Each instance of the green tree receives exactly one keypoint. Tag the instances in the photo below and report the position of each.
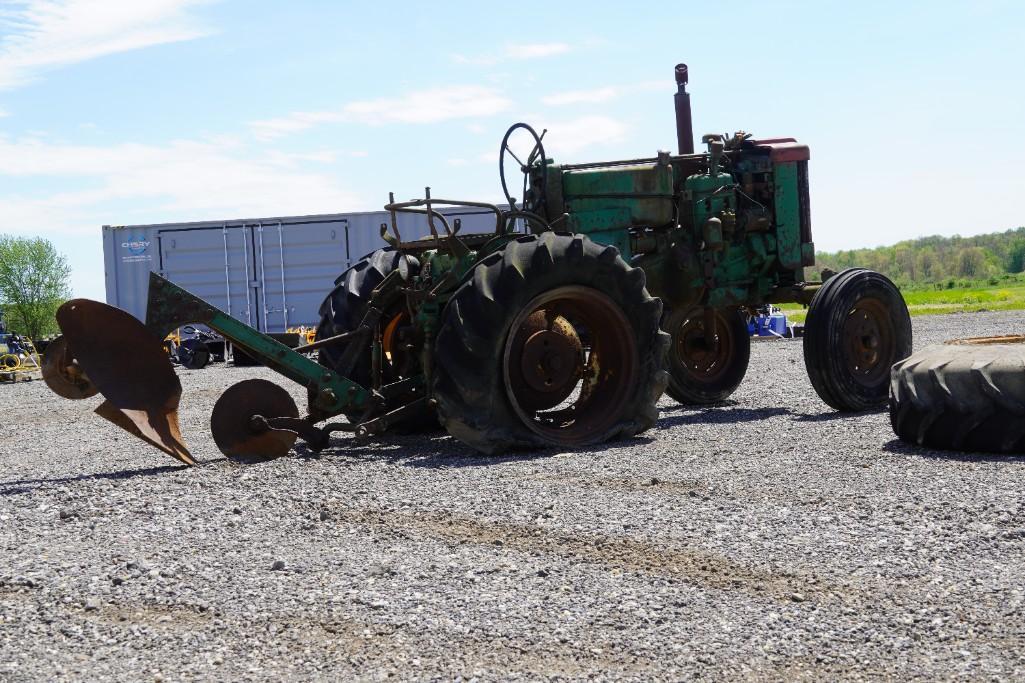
(927, 267)
(971, 262)
(1016, 257)
(33, 284)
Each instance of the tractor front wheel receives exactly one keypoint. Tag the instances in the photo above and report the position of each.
(706, 368)
(553, 341)
(857, 327)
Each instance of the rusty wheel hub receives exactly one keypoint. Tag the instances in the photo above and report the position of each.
(568, 364)
(869, 343)
(705, 356)
(551, 359)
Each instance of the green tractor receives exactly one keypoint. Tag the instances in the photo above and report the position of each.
(602, 286)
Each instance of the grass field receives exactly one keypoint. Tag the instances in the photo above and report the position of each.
(957, 300)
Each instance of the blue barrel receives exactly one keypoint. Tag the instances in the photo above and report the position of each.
(778, 323)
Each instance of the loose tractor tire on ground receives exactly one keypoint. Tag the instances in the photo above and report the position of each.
(602, 286)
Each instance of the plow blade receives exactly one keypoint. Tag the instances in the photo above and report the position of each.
(129, 366)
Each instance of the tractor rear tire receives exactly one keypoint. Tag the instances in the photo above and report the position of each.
(857, 327)
(343, 310)
(700, 376)
(967, 396)
(550, 319)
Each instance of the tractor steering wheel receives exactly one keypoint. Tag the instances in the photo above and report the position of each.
(533, 197)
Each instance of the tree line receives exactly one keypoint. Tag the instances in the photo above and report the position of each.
(938, 260)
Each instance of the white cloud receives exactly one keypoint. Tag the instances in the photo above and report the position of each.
(535, 50)
(606, 93)
(44, 34)
(514, 52)
(564, 140)
(183, 180)
(293, 123)
(422, 106)
(567, 138)
(581, 96)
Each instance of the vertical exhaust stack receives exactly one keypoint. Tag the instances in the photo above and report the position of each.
(684, 126)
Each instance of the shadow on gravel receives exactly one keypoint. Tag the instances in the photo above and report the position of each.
(898, 447)
(723, 415)
(836, 415)
(709, 406)
(19, 486)
(440, 451)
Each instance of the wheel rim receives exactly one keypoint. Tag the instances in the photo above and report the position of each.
(869, 342)
(705, 362)
(570, 357)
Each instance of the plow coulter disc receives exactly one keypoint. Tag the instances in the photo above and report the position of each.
(237, 428)
(128, 365)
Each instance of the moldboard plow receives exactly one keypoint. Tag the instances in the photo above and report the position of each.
(601, 287)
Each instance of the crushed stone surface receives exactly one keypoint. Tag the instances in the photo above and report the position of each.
(765, 538)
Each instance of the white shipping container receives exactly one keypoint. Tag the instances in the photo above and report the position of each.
(270, 273)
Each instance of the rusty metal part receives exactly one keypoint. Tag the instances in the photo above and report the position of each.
(706, 356)
(63, 375)
(868, 341)
(315, 437)
(601, 378)
(551, 361)
(381, 424)
(328, 341)
(128, 365)
(982, 341)
(242, 419)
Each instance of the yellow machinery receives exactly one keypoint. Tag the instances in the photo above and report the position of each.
(18, 358)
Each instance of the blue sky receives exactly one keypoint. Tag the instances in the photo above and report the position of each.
(123, 112)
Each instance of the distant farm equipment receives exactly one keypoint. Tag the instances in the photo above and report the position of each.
(770, 322)
(18, 357)
(193, 348)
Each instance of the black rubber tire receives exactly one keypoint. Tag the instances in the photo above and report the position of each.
(469, 385)
(826, 358)
(964, 397)
(193, 354)
(684, 386)
(343, 310)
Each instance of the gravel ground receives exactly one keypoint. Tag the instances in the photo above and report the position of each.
(765, 538)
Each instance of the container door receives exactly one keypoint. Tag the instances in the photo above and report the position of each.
(215, 264)
(297, 264)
